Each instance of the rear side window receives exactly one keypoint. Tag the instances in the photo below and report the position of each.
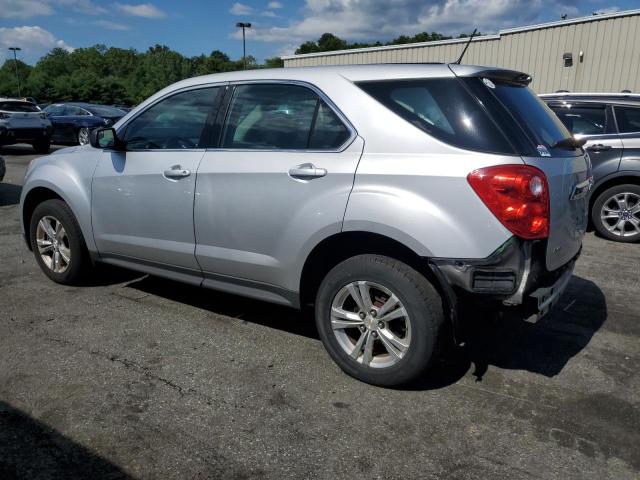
(443, 108)
(582, 120)
(628, 119)
(24, 107)
(283, 117)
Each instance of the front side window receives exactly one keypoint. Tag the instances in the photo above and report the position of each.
(443, 108)
(283, 117)
(628, 119)
(54, 110)
(177, 122)
(581, 120)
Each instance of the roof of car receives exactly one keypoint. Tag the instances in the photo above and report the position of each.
(350, 72)
(591, 97)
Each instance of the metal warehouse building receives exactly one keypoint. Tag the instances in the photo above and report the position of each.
(600, 53)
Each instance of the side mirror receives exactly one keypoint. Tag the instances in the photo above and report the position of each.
(106, 138)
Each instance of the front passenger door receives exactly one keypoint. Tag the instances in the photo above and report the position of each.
(142, 198)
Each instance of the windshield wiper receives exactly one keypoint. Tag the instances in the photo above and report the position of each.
(569, 142)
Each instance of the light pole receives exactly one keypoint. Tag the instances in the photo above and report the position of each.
(244, 25)
(15, 61)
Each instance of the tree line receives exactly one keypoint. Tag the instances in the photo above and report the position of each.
(117, 76)
(113, 76)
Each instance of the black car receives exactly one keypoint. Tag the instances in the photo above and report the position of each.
(610, 123)
(72, 122)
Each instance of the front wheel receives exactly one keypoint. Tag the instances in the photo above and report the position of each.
(379, 319)
(83, 136)
(616, 213)
(57, 243)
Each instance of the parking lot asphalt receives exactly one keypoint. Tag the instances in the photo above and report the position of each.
(138, 377)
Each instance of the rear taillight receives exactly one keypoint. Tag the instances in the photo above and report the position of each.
(518, 195)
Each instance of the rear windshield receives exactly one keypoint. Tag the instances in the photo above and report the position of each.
(18, 107)
(518, 110)
(443, 108)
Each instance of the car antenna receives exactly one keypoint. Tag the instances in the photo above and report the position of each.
(466, 46)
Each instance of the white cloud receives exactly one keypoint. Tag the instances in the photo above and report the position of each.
(240, 9)
(34, 41)
(274, 5)
(112, 25)
(145, 10)
(83, 6)
(24, 8)
(368, 20)
(269, 13)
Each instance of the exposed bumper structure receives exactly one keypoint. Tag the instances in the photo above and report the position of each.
(515, 274)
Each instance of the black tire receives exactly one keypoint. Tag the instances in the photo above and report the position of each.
(605, 199)
(43, 147)
(418, 296)
(80, 262)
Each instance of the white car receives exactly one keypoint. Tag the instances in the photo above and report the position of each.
(24, 122)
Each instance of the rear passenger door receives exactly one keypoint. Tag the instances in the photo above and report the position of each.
(628, 119)
(593, 122)
(277, 184)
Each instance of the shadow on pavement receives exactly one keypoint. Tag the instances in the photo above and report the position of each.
(29, 449)
(9, 194)
(505, 341)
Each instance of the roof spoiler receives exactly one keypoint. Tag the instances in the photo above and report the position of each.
(506, 76)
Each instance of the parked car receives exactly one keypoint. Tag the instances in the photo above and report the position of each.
(72, 122)
(610, 124)
(379, 194)
(24, 122)
(3, 169)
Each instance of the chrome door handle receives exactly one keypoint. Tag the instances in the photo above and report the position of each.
(177, 172)
(307, 171)
(599, 147)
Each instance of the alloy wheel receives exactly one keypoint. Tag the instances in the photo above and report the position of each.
(53, 244)
(371, 324)
(83, 136)
(620, 214)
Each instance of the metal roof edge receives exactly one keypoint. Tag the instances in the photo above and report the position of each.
(496, 36)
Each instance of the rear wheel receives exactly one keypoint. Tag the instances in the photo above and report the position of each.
(42, 146)
(83, 136)
(57, 243)
(616, 213)
(379, 319)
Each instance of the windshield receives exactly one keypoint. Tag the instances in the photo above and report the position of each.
(512, 102)
(26, 107)
(104, 111)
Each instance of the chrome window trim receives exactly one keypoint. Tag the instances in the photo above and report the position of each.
(125, 126)
(353, 133)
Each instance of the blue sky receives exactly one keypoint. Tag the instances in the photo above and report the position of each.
(193, 27)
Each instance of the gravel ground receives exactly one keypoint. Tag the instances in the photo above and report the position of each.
(137, 377)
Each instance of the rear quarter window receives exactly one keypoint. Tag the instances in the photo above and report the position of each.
(443, 108)
(24, 107)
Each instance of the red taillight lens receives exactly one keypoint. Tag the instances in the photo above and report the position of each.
(518, 195)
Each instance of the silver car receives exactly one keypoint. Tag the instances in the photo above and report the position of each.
(382, 196)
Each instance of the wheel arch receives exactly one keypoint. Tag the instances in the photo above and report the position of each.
(619, 178)
(340, 246)
(42, 192)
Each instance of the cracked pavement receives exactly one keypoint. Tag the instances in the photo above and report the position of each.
(138, 377)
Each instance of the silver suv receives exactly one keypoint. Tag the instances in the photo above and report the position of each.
(381, 195)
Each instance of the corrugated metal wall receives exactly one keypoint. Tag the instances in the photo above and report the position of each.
(610, 47)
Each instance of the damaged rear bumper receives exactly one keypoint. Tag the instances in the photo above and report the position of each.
(514, 275)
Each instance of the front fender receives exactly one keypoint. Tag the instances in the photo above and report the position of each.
(63, 177)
